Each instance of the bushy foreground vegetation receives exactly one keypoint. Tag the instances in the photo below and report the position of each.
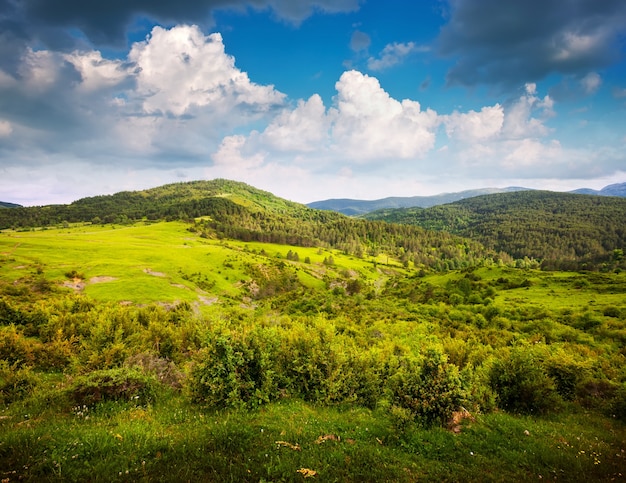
(269, 362)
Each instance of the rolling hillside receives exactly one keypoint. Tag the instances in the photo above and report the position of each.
(228, 209)
(265, 341)
(562, 230)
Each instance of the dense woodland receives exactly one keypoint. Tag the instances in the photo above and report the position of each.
(563, 231)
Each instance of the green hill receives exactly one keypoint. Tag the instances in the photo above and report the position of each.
(228, 209)
(562, 230)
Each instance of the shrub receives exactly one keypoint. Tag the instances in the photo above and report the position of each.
(233, 373)
(522, 383)
(595, 393)
(15, 382)
(17, 349)
(163, 370)
(119, 384)
(566, 374)
(431, 392)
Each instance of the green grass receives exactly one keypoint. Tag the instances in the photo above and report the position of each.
(160, 262)
(175, 441)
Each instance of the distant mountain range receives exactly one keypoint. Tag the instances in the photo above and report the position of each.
(353, 207)
(4, 204)
(360, 207)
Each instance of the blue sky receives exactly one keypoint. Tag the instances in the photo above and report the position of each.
(310, 99)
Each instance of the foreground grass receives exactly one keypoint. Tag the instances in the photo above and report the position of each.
(174, 440)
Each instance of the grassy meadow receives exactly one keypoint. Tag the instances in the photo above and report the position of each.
(146, 352)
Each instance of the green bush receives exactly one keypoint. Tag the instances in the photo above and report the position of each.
(15, 382)
(233, 373)
(119, 384)
(566, 374)
(430, 391)
(522, 383)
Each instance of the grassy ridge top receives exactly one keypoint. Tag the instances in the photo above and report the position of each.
(175, 200)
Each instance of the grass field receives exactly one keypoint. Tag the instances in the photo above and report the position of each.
(113, 276)
(160, 262)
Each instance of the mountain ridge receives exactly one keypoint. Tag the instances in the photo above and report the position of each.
(6, 204)
(354, 207)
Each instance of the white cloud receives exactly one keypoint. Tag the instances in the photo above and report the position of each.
(571, 45)
(475, 126)
(97, 74)
(591, 82)
(230, 154)
(181, 69)
(518, 120)
(371, 125)
(304, 129)
(394, 54)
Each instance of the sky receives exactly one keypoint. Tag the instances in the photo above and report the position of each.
(310, 99)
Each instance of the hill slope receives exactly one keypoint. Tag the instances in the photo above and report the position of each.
(228, 209)
(563, 230)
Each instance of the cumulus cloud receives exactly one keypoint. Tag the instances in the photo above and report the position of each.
(475, 126)
(370, 124)
(303, 129)
(176, 94)
(365, 127)
(503, 41)
(394, 54)
(181, 69)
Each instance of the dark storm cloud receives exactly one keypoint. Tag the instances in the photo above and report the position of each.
(106, 23)
(508, 41)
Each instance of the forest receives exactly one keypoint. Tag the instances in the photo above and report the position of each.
(564, 231)
(212, 332)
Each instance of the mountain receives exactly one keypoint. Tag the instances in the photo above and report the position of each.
(352, 207)
(563, 230)
(4, 204)
(618, 189)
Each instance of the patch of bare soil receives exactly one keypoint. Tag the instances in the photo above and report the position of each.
(458, 417)
(153, 273)
(76, 284)
(207, 300)
(101, 279)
